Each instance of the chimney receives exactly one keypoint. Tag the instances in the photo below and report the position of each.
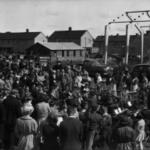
(27, 30)
(70, 28)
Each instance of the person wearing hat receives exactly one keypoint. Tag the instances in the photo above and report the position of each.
(25, 129)
(93, 122)
(124, 135)
(2, 121)
(86, 77)
(70, 76)
(126, 78)
(8, 82)
(74, 103)
(83, 119)
(106, 130)
(2, 82)
(52, 78)
(25, 92)
(64, 80)
(135, 84)
(12, 107)
(27, 101)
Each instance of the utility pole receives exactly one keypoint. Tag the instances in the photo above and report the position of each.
(142, 41)
(129, 21)
(106, 43)
(128, 14)
(127, 43)
(142, 47)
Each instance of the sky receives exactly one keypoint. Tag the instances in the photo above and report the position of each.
(50, 15)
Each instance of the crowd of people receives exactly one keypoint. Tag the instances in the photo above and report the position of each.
(64, 108)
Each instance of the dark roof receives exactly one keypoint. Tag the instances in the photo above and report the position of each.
(116, 38)
(112, 38)
(75, 34)
(19, 35)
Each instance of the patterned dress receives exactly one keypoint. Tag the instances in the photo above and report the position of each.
(125, 138)
(26, 127)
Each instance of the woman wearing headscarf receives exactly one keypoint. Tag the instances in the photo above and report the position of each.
(26, 128)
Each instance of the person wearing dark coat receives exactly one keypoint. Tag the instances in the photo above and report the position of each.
(148, 97)
(104, 142)
(71, 132)
(13, 111)
(124, 136)
(94, 120)
(2, 121)
(50, 132)
(52, 78)
(83, 118)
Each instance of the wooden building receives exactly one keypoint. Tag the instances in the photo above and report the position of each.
(58, 51)
(18, 42)
(80, 37)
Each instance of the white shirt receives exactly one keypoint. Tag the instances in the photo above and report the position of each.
(99, 79)
(78, 81)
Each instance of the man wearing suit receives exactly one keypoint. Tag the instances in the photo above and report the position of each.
(12, 107)
(71, 131)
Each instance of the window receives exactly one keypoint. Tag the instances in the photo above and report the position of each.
(67, 53)
(74, 53)
(80, 52)
(63, 54)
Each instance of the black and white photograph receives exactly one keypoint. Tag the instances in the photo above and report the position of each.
(74, 74)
